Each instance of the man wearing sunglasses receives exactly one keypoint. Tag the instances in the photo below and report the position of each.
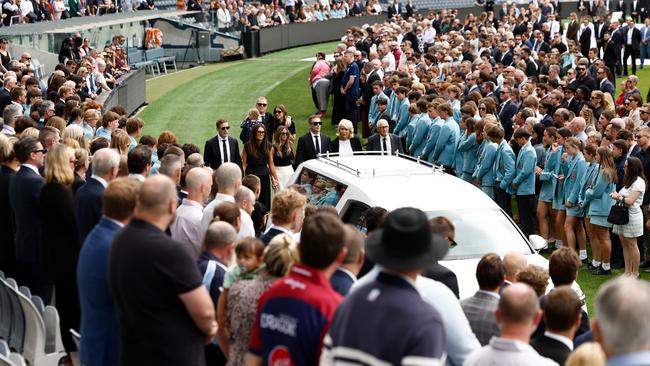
(222, 148)
(312, 143)
(265, 117)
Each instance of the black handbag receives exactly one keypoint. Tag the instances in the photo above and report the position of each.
(619, 214)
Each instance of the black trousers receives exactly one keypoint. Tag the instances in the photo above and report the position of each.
(629, 53)
(526, 205)
(31, 275)
(503, 199)
(352, 109)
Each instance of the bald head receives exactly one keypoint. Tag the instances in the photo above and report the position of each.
(513, 262)
(156, 194)
(197, 177)
(518, 305)
(578, 125)
(228, 177)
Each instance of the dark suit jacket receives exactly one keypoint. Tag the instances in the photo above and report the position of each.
(374, 143)
(306, 149)
(7, 245)
(443, 274)
(24, 191)
(532, 69)
(212, 152)
(506, 114)
(60, 241)
(505, 59)
(572, 31)
(5, 99)
(269, 235)
(393, 12)
(585, 41)
(354, 142)
(636, 39)
(341, 282)
(367, 89)
(607, 87)
(622, 7)
(610, 54)
(551, 348)
(88, 206)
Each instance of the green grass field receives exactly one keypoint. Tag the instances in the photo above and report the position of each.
(189, 102)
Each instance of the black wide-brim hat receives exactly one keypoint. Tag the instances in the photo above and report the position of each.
(406, 242)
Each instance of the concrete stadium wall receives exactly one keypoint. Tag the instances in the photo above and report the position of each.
(130, 92)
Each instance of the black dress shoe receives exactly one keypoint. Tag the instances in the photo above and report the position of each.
(601, 272)
(591, 267)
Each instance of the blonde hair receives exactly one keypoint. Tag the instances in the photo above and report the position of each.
(588, 354)
(120, 141)
(57, 165)
(56, 122)
(608, 102)
(6, 149)
(285, 203)
(253, 113)
(345, 123)
(280, 255)
(75, 132)
(71, 143)
(30, 131)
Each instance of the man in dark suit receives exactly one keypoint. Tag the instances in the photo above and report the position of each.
(101, 340)
(585, 37)
(600, 27)
(532, 69)
(604, 85)
(507, 112)
(312, 143)
(618, 38)
(88, 200)
(635, 10)
(24, 193)
(505, 55)
(622, 7)
(383, 140)
(394, 9)
(287, 213)
(265, 117)
(222, 148)
(538, 43)
(632, 44)
(346, 274)
(562, 313)
(5, 97)
(572, 28)
(610, 56)
(444, 227)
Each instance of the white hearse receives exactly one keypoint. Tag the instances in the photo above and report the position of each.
(354, 183)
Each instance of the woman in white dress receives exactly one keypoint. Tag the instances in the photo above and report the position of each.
(283, 155)
(631, 195)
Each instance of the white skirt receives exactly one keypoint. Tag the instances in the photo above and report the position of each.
(284, 175)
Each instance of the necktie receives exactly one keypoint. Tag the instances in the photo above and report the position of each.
(317, 144)
(385, 146)
(224, 155)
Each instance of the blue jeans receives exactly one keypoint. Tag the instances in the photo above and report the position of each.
(645, 52)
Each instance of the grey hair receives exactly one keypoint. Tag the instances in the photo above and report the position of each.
(346, 123)
(219, 234)
(11, 113)
(104, 161)
(228, 175)
(169, 164)
(623, 318)
(244, 193)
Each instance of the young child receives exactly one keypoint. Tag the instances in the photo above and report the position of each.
(250, 261)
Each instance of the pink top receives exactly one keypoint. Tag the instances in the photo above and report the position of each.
(320, 69)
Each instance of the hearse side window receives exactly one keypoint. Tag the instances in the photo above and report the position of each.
(321, 190)
(354, 215)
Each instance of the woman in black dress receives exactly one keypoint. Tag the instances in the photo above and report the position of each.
(283, 156)
(9, 167)
(281, 118)
(257, 160)
(60, 245)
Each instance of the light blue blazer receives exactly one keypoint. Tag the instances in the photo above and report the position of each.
(373, 113)
(525, 170)
(588, 180)
(403, 118)
(547, 178)
(469, 148)
(572, 181)
(445, 150)
(484, 171)
(455, 107)
(393, 106)
(432, 138)
(410, 128)
(598, 197)
(420, 136)
(561, 168)
(504, 167)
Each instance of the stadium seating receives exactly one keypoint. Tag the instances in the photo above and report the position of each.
(137, 60)
(158, 55)
(33, 328)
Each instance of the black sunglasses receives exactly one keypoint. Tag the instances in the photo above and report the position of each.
(284, 133)
(224, 128)
(262, 104)
(44, 151)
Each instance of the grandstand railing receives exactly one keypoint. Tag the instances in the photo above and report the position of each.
(130, 92)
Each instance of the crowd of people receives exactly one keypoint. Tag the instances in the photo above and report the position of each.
(159, 252)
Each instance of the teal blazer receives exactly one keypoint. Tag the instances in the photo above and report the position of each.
(575, 175)
(420, 136)
(432, 138)
(373, 112)
(598, 197)
(484, 171)
(445, 150)
(393, 106)
(546, 177)
(455, 107)
(525, 170)
(561, 168)
(469, 149)
(504, 167)
(402, 118)
(587, 181)
(410, 128)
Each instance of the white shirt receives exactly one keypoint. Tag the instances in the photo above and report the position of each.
(8, 130)
(560, 338)
(223, 158)
(26, 7)
(186, 226)
(429, 35)
(629, 36)
(389, 147)
(208, 211)
(247, 228)
(320, 143)
(138, 177)
(345, 148)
